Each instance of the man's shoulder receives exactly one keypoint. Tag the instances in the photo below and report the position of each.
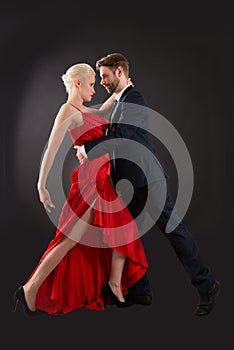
(133, 95)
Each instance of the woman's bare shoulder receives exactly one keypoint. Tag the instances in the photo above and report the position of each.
(68, 112)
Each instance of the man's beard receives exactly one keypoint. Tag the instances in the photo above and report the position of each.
(113, 86)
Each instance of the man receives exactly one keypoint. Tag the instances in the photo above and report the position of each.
(128, 131)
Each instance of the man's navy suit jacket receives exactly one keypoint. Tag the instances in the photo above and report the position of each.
(127, 141)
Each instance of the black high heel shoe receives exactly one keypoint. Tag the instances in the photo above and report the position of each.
(19, 297)
(107, 291)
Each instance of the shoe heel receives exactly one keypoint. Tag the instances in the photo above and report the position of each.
(15, 306)
(104, 300)
(19, 298)
(15, 302)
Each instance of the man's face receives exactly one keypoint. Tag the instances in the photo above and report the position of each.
(109, 79)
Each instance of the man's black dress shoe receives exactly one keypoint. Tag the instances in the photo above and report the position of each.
(145, 299)
(207, 301)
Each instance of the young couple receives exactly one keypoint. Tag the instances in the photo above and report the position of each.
(112, 269)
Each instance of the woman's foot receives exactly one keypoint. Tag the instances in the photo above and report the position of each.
(117, 291)
(117, 298)
(19, 298)
(30, 298)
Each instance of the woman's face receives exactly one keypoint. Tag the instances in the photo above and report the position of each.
(87, 88)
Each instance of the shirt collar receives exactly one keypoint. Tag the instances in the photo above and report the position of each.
(118, 96)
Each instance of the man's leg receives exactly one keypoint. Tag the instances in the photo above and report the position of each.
(184, 246)
(183, 243)
(160, 205)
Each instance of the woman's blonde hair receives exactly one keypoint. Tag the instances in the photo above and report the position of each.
(78, 71)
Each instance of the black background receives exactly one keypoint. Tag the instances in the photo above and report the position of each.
(180, 56)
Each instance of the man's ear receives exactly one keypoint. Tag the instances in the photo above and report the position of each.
(77, 83)
(119, 71)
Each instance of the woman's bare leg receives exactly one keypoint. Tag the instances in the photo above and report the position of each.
(54, 257)
(117, 265)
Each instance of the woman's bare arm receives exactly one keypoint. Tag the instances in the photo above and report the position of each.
(63, 122)
(105, 108)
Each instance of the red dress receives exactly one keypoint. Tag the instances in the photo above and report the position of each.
(77, 280)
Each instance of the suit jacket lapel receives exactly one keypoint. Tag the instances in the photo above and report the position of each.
(124, 94)
(115, 106)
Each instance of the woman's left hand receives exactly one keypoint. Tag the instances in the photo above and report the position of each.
(45, 199)
(130, 81)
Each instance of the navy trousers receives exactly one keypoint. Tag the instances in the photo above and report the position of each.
(159, 204)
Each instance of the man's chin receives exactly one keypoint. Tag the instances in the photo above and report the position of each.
(110, 91)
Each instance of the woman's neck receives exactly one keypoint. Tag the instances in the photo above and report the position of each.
(75, 102)
(75, 98)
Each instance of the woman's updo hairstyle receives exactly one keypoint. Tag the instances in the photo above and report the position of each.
(78, 71)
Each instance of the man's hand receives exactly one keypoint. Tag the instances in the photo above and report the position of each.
(79, 155)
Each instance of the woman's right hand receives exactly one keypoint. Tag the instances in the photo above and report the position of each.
(79, 155)
(45, 199)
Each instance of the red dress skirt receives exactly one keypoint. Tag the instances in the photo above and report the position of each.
(78, 279)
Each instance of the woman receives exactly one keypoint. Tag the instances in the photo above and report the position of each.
(71, 273)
